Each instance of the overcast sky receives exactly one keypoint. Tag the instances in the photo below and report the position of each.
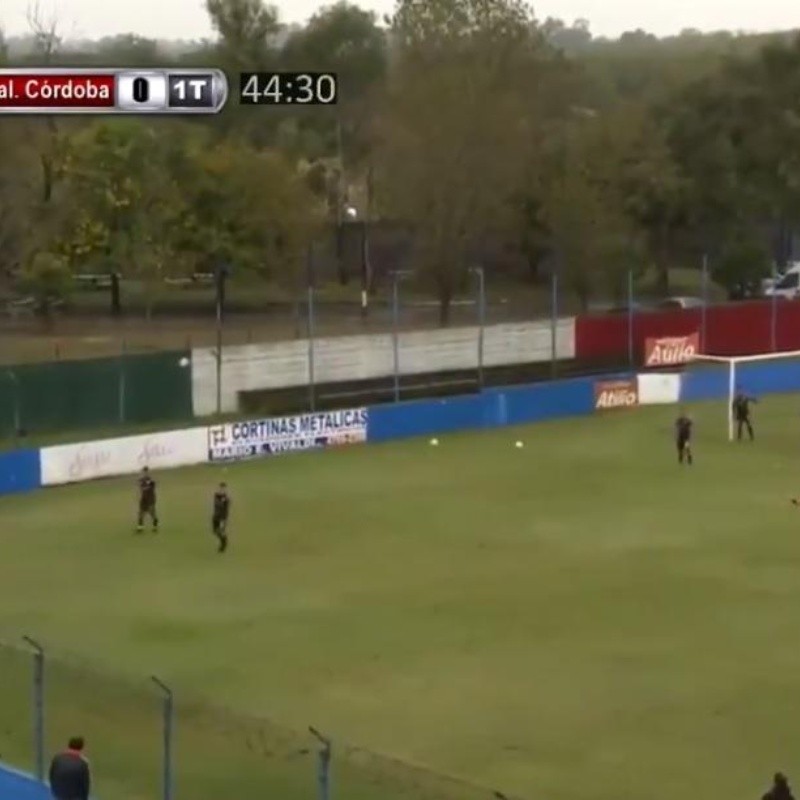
(186, 19)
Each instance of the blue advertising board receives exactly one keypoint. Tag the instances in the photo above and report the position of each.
(16, 785)
(754, 377)
(515, 405)
(233, 441)
(20, 471)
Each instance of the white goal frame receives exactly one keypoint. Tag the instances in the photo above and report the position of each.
(732, 362)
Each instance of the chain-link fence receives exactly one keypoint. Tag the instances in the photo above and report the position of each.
(327, 348)
(101, 393)
(146, 741)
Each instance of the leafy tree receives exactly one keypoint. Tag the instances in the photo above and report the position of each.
(345, 39)
(247, 40)
(455, 126)
(247, 30)
(47, 278)
(251, 209)
(47, 44)
(594, 242)
(734, 134)
(128, 206)
(648, 181)
(575, 38)
(741, 264)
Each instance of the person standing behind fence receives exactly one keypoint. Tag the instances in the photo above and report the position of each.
(70, 776)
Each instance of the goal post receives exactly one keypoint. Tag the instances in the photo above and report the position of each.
(747, 374)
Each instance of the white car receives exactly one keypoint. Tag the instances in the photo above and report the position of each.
(786, 285)
(681, 303)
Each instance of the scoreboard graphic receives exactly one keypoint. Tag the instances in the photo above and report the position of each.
(112, 91)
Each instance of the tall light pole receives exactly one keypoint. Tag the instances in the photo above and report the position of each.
(397, 276)
(220, 276)
(481, 302)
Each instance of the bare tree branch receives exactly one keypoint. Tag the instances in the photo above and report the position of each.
(47, 40)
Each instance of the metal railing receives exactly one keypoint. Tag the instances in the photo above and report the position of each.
(145, 740)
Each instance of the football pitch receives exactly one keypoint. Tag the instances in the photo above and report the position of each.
(579, 618)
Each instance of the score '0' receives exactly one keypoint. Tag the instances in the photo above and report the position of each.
(141, 90)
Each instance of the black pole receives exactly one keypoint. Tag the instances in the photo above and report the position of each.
(365, 276)
(220, 285)
(38, 705)
(116, 300)
(168, 724)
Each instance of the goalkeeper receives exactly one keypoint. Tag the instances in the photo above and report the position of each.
(741, 413)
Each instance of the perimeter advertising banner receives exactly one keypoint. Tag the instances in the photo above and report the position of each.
(669, 351)
(233, 441)
(85, 461)
(616, 394)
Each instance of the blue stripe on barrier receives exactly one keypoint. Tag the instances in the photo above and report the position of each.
(20, 471)
(753, 377)
(18, 786)
(492, 408)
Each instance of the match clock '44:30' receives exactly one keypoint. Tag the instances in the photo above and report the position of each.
(288, 88)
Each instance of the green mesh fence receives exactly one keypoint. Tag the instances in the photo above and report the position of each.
(214, 753)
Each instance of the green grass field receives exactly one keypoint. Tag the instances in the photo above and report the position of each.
(577, 619)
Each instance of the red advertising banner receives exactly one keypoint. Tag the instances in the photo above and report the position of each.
(669, 351)
(615, 394)
(733, 329)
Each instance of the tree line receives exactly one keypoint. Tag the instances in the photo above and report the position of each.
(473, 124)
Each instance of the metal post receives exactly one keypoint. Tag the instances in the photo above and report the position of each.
(16, 410)
(219, 356)
(554, 323)
(311, 393)
(365, 280)
(478, 271)
(221, 275)
(704, 307)
(396, 334)
(121, 387)
(339, 205)
(323, 764)
(38, 706)
(630, 318)
(731, 393)
(168, 723)
(774, 315)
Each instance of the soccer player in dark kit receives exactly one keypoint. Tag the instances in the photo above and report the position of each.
(219, 519)
(147, 501)
(741, 413)
(683, 438)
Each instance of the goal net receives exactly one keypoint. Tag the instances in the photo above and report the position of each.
(711, 377)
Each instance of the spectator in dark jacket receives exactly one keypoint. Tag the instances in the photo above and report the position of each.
(780, 789)
(70, 778)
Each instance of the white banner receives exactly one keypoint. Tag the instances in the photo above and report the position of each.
(362, 357)
(71, 463)
(658, 389)
(263, 437)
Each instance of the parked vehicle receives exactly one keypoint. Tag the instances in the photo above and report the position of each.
(680, 303)
(786, 285)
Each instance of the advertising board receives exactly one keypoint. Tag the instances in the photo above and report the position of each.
(669, 351)
(72, 463)
(233, 441)
(615, 394)
(659, 388)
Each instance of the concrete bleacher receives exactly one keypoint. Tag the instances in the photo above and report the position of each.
(15, 785)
